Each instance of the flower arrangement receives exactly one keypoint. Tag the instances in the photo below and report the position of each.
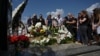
(21, 40)
(58, 35)
(37, 30)
(50, 40)
(13, 39)
(44, 41)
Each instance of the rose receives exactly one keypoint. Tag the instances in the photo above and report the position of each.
(13, 38)
(23, 38)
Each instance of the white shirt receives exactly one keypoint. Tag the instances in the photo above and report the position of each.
(60, 21)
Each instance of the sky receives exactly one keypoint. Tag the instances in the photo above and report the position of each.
(55, 7)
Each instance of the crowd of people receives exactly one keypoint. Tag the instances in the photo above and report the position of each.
(84, 28)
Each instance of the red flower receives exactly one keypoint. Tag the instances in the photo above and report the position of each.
(13, 39)
(23, 38)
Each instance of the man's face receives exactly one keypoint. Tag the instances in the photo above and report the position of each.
(70, 16)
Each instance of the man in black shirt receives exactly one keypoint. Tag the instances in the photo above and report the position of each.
(34, 19)
(72, 25)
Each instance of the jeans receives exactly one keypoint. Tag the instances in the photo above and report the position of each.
(83, 34)
(78, 35)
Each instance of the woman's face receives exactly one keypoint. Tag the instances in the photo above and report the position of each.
(83, 14)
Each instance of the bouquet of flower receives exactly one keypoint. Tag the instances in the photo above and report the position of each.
(13, 39)
(37, 30)
(44, 41)
(21, 41)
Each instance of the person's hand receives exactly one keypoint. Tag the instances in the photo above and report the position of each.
(94, 27)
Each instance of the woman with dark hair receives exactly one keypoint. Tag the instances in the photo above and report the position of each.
(96, 24)
(41, 19)
(83, 27)
(34, 19)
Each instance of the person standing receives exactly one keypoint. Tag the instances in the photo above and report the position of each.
(79, 40)
(59, 20)
(49, 21)
(83, 27)
(72, 26)
(34, 19)
(41, 19)
(96, 24)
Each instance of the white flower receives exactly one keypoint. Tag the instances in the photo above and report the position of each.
(49, 36)
(61, 31)
(30, 28)
(31, 35)
(34, 41)
(58, 40)
(38, 25)
(62, 36)
(47, 40)
(64, 30)
(44, 27)
(28, 35)
(69, 35)
(42, 41)
(34, 30)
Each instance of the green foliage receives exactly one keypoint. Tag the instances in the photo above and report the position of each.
(66, 40)
(51, 42)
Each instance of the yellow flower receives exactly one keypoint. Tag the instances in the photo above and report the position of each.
(42, 31)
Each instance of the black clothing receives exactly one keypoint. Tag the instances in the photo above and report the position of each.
(83, 30)
(34, 20)
(85, 22)
(42, 21)
(72, 28)
(75, 24)
(29, 22)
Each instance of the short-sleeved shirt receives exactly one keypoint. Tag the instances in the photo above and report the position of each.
(74, 24)
(85, 22)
